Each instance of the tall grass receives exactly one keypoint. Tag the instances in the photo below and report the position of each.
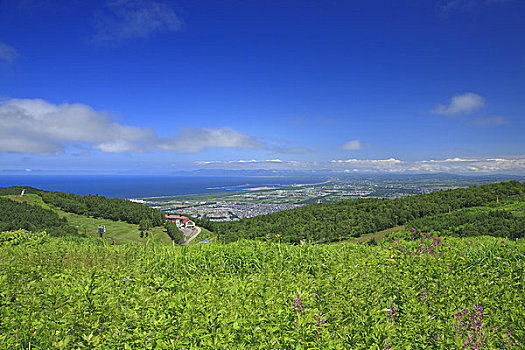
(72, 293)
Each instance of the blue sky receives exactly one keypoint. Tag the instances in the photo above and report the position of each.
(140, 86)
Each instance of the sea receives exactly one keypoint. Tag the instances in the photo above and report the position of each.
(142, 186)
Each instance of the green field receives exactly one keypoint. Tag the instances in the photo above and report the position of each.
(69, 293)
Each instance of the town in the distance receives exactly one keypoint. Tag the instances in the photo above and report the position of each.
(233, 204)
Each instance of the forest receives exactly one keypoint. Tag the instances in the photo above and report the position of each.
(16, 215)
(17, 190)
(473, 222)
(107, 208)
(20, 214)
(353, 218)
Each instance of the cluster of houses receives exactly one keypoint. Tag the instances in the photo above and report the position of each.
(180, 220)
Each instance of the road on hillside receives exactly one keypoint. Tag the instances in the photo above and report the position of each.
(190, 234)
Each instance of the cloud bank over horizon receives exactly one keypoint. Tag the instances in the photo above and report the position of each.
(448, 165)
(475, 165)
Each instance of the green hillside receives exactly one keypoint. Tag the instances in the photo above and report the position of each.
(353, 218)
(495, 209)
(388, 289)
(122, 231)
(67, 293)
(19, 214)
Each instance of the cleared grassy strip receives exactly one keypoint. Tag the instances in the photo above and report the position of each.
(378, 236)
(122, 231)
(33, 199)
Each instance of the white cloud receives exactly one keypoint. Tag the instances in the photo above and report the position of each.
(7, 53)
(390, 164)
(130, 19)
(461, 104)
(388, 161)
(352, 145)
(488, 165)
(118, 146)
(450, 165)
(251, 164)
(448, 160)
(39, 127)
(197, 140)
(490, 121)
(476, 165)
(42, 128)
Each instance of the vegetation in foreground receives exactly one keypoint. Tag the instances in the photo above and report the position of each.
(429, 293)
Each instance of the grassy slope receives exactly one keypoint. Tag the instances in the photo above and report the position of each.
(203, 235)
(69, 294)
(516, 208)
(378, 236)
(122, 231)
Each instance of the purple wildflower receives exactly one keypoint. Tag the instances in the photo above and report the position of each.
(393, 310)
(469, 324)
(298, 305)
(319, 319)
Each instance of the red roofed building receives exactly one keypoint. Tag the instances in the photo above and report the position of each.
(178, 219)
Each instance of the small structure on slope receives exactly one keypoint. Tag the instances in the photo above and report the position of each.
(180, 220)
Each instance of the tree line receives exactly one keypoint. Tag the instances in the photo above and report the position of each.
(102, 207)
(14, 190)
(473, 222)
(29, 217)
(353, 218)
(19, 215)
